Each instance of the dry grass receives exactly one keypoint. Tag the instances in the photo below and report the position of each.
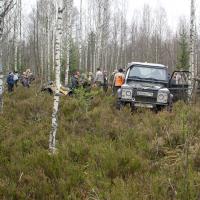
(103, 153)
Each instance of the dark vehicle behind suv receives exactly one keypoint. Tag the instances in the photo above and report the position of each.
(149, 85)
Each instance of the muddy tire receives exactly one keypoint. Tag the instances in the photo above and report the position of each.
(119, 105)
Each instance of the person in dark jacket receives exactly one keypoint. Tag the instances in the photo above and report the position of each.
(105, 81)
(10, 82)
(75, 80)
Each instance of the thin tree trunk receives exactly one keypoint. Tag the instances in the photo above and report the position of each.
(1, 78)
(53, 51)
(69, 32)
(52, 137)
(192, 51)
(48, 45)
(20, 32)
(42, 65)
(16, 37)
(80, 37)
(3, 12)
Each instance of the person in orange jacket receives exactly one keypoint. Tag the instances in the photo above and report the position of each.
(118, 81)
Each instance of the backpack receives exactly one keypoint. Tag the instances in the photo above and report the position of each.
(10, 80)
(15, 78)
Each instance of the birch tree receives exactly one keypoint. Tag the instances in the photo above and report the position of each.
(16, 28)
(5, 6)
(80, 35)
(52, 137)
(192, 51)
(69, 6)
(1, 67)
(48, 43)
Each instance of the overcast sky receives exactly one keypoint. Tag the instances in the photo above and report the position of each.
(174, 8)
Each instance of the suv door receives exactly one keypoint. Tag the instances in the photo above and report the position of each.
(179, 85)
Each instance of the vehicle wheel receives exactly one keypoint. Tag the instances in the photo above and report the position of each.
(119, 105)
(169, 107)
(133, 108)
(157, 109)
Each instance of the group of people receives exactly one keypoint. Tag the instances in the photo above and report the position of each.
(13, 78)
(100, 80)
(180, 78)
(87, 81)
(26, 78)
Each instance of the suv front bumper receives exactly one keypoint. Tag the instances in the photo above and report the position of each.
(142, 104)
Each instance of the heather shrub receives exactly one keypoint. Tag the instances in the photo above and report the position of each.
(102, 153)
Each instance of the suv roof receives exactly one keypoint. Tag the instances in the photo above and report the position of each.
(147, 64)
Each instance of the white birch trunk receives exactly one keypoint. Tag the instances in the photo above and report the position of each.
(20, 33)
(48, 44)
(53, 41)
(192, 51)
(42, 65)
(52, 137)
(48, 57)
(1, 82)
(80, 37)
(98, 36)
(1, 66)
(86, 59)
(1, 76)
(69, 32)
(4, 9)
(53, 51)
(94, 62)
(16, 37)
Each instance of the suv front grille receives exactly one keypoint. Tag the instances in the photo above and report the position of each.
(145, 99)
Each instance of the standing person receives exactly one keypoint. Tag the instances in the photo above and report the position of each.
(22, 78)
(83, 79)
(118, 81)
(31, 78)
(75, 80)
(10, 82)
(16, 78)
(178, 79)
(90, 78)
(105, 81)
(111, 79)
(88, 82)
(25, 80)
(99, 80)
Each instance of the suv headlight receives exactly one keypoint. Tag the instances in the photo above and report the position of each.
(127, 94)
(163, 96)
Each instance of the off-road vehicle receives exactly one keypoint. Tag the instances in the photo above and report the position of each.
(151, 86)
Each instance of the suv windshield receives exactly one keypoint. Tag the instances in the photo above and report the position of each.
(148, 73)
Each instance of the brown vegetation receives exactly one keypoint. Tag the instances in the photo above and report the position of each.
(102, 153)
